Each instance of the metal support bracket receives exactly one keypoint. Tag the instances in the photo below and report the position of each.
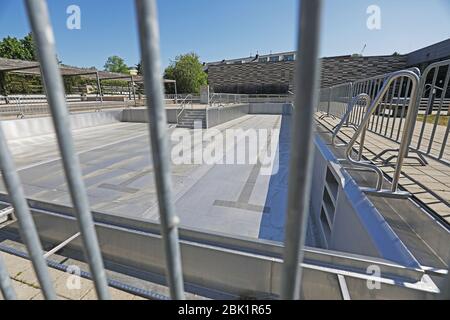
(386, 193)
(420, 158)
(61, 245)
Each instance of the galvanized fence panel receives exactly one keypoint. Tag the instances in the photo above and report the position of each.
(433, 119)
(300, 173)
(340, 96)
(395, 107)
(385, 92)
(324, 98)
(149, 44)
(38, 15)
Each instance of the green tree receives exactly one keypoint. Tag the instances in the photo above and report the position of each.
(28, 45)
(13, 48)
(116, 64)
(187, 70)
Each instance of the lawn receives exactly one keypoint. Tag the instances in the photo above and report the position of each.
(443, 120)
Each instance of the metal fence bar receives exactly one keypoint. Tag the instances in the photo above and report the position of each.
(408, 84)
(307, 77)
(5, 282)
(429, 102)
(407, 131)
(149, 43)
(350, 108)
(43, 36)
(27, 227)
(430, 135)
(436, 119)
(396, 107)
(444, 141)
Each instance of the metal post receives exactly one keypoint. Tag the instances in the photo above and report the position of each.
(27, 227)
(5, 282)
(410, 123)
(99, 87)
(330, 89)
(3, 90)
(349, 96)
(133, 90)
(149, 43)
(176, 94)
(307, 79)
(44, 39)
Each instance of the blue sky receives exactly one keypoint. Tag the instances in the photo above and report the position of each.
(219, 30)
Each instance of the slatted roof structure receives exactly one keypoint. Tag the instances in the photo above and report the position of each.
(33, 68)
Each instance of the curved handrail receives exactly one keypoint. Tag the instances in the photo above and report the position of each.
(183, 104)
(351, 104)
(409, 125)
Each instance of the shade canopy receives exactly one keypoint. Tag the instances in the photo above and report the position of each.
(33, 68)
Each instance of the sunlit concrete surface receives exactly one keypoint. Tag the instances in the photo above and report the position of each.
(234, 199)
(27, 287)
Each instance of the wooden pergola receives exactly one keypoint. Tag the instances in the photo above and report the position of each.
(33, 68)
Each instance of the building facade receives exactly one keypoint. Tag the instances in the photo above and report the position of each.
(274, 73)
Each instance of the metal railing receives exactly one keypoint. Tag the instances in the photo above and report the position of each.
(398, 89)
(39, 18)
(187, 100)
(381, 96)
(149, 44)
(354, 103)
(432, 114)
(271, 98)
(338, 98)
(300, 165)
(299, 184)
(301, 155)
(434, 107)
(22, 106)
(221, 99)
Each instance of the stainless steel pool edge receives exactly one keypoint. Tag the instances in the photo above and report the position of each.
(222, 266)
(427, 225)
(354, 213)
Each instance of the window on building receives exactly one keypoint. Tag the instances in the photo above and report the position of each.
(264, 59)
(274, 59)
(288, 57)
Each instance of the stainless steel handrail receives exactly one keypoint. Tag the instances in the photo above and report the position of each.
(183, 105)
(344, 119)
(409, 125)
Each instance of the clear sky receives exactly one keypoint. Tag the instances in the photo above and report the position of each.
(218, 29)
